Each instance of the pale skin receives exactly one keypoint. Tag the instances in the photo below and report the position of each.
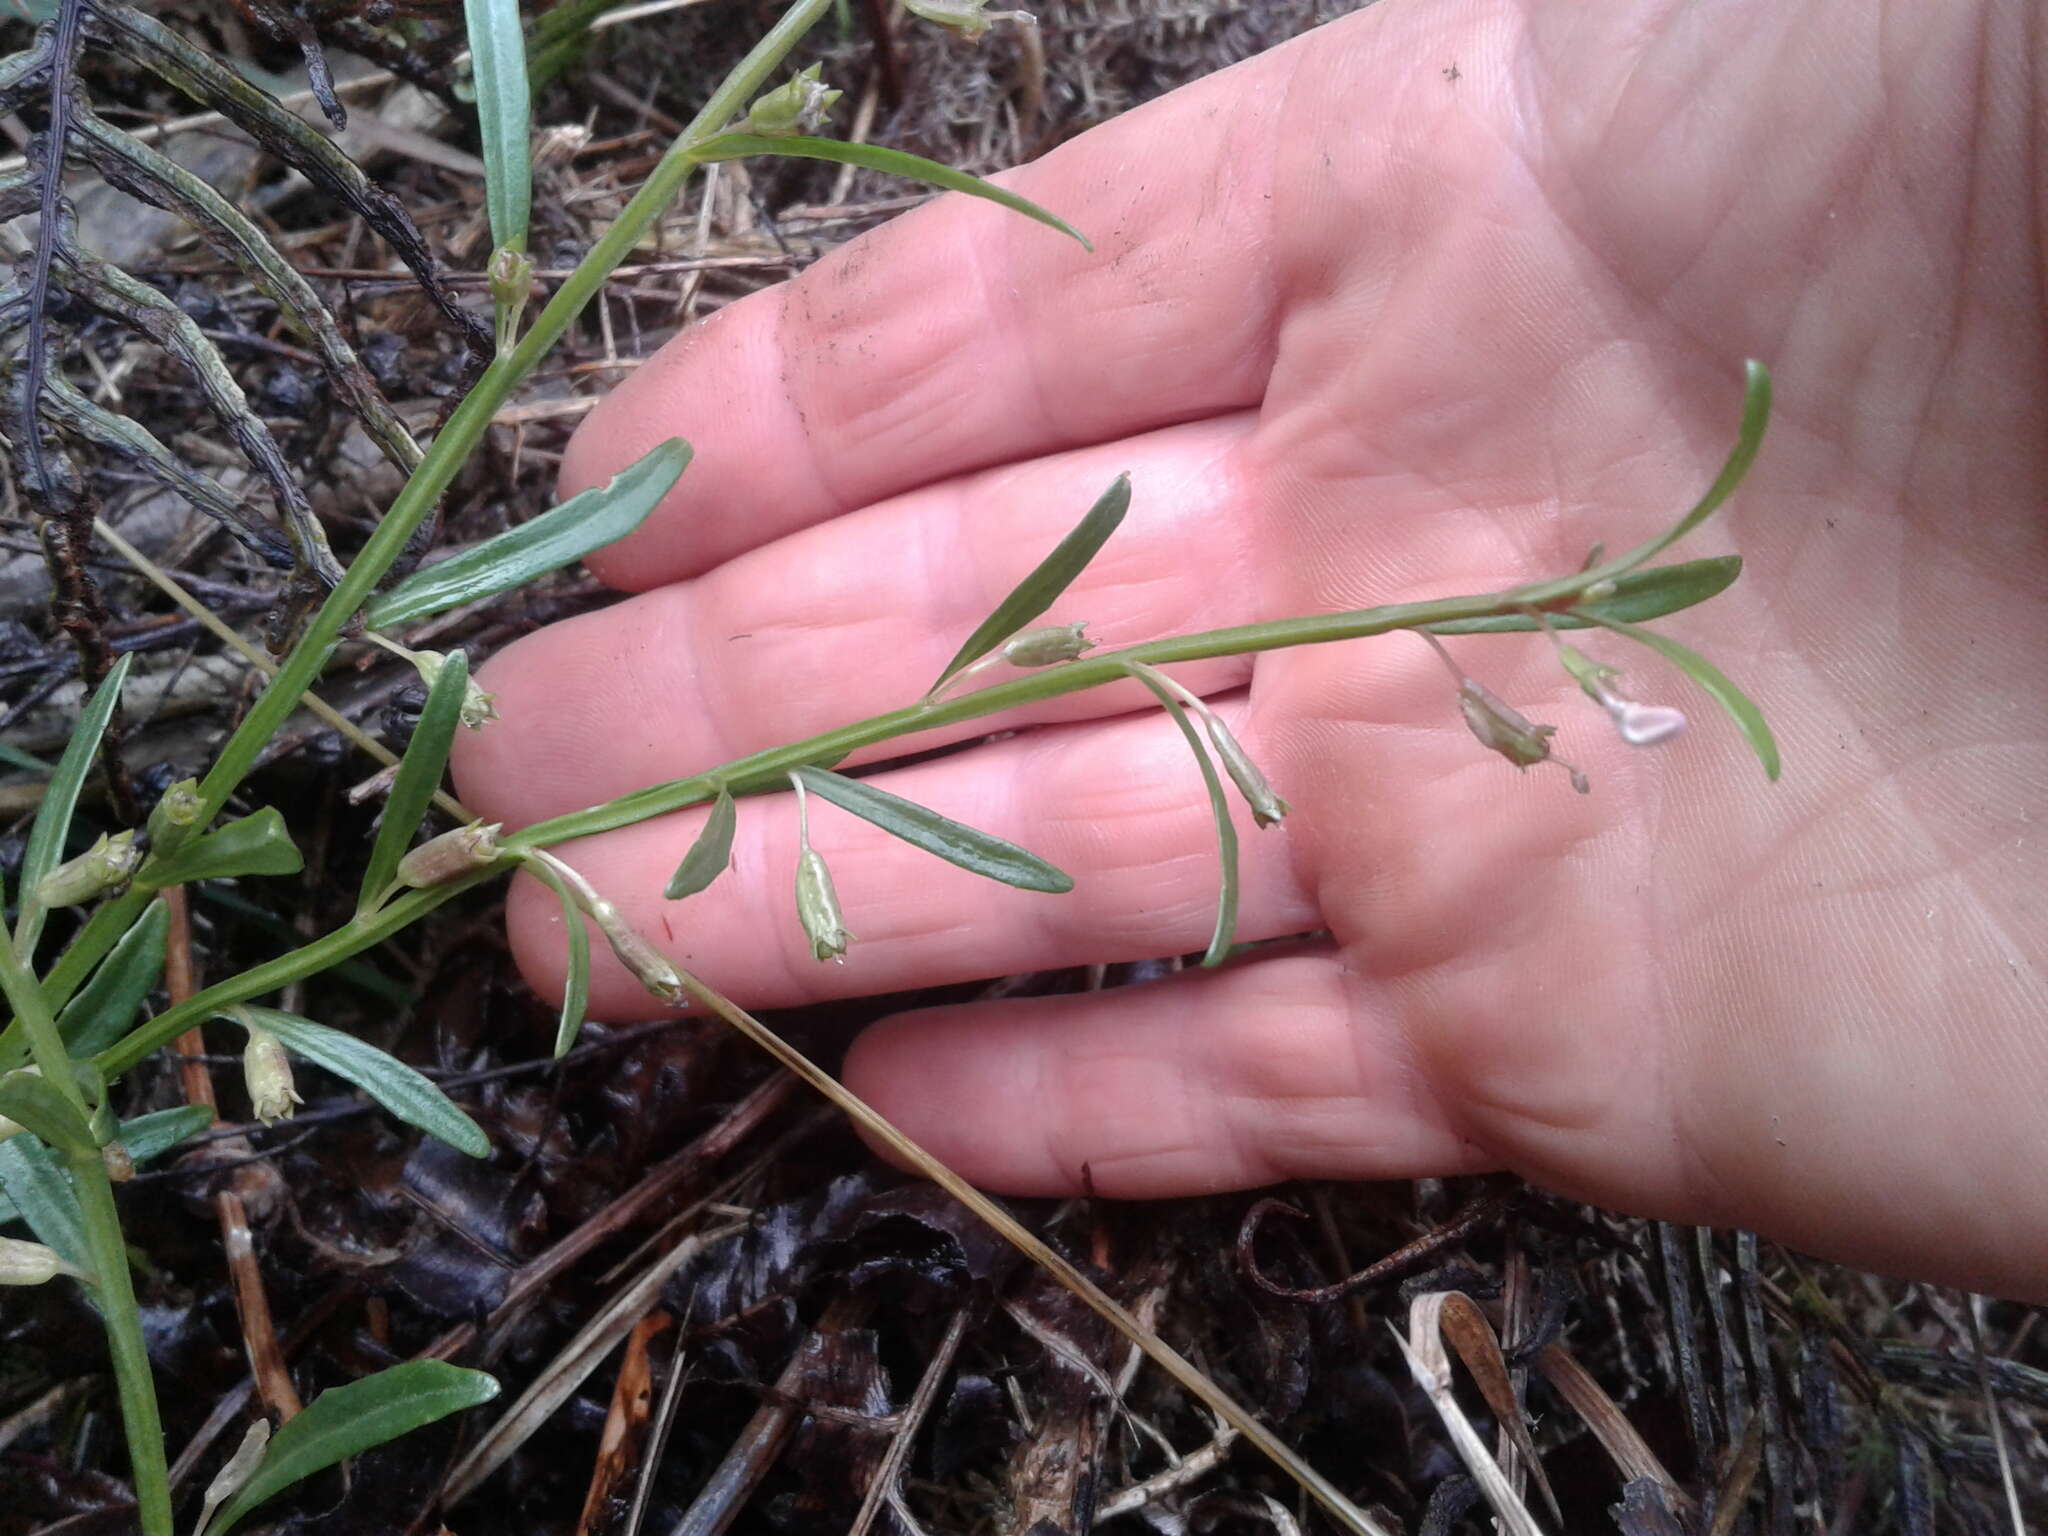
(1424, 303)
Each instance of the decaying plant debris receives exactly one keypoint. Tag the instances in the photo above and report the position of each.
(711, 1310)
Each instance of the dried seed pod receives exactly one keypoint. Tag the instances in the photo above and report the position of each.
(267, 1071)
(451, 855)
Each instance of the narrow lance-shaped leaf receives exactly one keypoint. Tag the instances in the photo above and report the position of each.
(257, 844)
(710, 854)
(587, 521)
(346, 1421)
(45, 848)
(38, 1190)
(1740, 707)
(576, 979)
(891, 162)
(1219, 807)
(384, 1078)
(146, 1137)
(1756, 415)
(29, 1101)
(102, 1011)
(1638, 596)
(1054, 574)
(924, 828)
(504, 113)
(419, 775)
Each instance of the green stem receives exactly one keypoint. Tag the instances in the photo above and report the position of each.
(466, 427)
(768, 769)
(443, 460)
(295, 965)
(108, 1254)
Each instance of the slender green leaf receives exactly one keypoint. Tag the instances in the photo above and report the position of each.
(38, 1191)
(710, 854)
(1640, 595)
(27, 762)
(29, 1101)
(504, 113)
(891, 162)
(1756, 415)
(585, 522)
(45, 850)
(927, 829)
(257, 844)
(384, 1078)
(1740, 707)
(146, 1137)
(104, 1008)
(576, 980)
(419, 775)
(1041, 589)
(346, 1421)
(1226, 830)
(150, 1136)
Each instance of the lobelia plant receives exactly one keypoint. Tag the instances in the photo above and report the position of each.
(75, 1031)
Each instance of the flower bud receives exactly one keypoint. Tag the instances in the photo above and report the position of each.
(970, 18)
(477, 706)
(649, 966)
(1508, 732)
(1638, 724)
(1267, 807)
(817, 904)
(102, 870)
(798, 105)
(451, 855)
(267, 1071)
(1047, 647)
(511, 277)
(118, 1161)
(25, 1263)
(175, 814)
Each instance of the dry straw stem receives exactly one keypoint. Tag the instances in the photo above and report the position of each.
(318, 707)
(1348, 1516)
(1431, 1318)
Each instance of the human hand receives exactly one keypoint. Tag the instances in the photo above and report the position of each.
(1424, 303)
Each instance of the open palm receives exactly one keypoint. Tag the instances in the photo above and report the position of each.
(1424, 303)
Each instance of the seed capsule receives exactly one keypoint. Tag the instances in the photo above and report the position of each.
(817, 904)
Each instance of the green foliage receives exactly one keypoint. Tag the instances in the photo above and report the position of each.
(256, 844)
(1042, 588)
(922, 827)
(1224, 934)
(1740, 707)
(346, 1421)
(45, 850)
(585, 522)
(409, 1096)
(504, 113)
(419, 776)
(711, 854)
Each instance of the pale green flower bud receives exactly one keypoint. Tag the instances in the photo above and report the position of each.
(102, 870)
(477, 706)
(1267, 807)
(511, 279)
(451, 855)
(267, 1071)
(817, 904)
(26, 1263)
(1047, 647)
(970, 18)
(798, 105)
(1506, 731)
(648, 965)
(118, 1162)
(175, 814)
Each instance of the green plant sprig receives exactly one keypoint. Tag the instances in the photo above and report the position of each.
(1666, 589)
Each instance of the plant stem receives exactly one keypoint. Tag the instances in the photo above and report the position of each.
(443, 460)
(768, 769)
(108, 1254)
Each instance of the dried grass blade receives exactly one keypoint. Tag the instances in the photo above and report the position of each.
(1628, 1450)
(1432, 1318)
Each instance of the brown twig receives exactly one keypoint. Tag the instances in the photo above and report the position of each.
(1479, 1212)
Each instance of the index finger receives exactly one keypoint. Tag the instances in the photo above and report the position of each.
(961, 336)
